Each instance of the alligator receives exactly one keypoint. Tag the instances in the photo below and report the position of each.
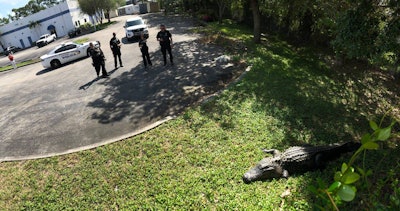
(296, 160)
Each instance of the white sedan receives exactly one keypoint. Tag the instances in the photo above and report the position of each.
(65, 53)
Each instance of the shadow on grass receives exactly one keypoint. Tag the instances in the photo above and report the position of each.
(311, 102)
(297, 91)
(314, 103)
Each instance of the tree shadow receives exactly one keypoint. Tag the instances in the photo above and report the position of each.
(90, 83)
(176, 23)
(301, 92)
(141, 96)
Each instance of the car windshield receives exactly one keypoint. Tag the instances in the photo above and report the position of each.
(134, 23)
(42, 37)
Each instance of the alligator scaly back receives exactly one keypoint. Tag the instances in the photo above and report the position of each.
(297, 159)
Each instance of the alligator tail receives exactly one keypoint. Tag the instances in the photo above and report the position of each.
(351, 146)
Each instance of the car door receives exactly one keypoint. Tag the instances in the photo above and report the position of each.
(68, 53)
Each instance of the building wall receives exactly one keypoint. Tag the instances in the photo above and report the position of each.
(61, 18)
(78, 18)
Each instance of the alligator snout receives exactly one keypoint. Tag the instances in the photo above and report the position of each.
(264, 170)
(247, 178)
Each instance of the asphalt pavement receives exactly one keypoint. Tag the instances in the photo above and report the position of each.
(52, 112)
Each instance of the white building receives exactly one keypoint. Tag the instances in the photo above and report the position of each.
(58, 19)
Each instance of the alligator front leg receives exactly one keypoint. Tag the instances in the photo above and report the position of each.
(274, 152)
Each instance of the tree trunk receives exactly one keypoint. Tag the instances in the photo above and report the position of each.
(220, 14)
(256, 21)
(221, 10)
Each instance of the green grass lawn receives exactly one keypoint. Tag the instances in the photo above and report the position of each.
(19, 64)
(81, 40)
(291, 96)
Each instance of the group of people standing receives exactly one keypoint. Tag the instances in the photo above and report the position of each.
(164, 37)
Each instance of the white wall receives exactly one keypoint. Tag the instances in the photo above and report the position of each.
(78, 18)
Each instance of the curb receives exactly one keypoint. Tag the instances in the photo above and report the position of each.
(105, 142)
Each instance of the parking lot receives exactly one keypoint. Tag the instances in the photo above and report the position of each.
(49, 112)
(32, 52)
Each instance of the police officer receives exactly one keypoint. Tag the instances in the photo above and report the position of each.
(145, 51)
(115, 46)
(165, 39)
(98, 60)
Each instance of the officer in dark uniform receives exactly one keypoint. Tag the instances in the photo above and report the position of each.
(165, 39)
(115, 46)
(98, 60)
(145, 51)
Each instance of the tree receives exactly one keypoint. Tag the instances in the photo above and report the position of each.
(369, 30)
(94, 8)
(34, 25)
(256, 20)
(32, 7)
(357, 31)
(89, 7)
(109, 5)
(19, 13)
(11, 17)
(222, 6)
(4, 20)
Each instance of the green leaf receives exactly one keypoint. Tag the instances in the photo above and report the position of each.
(313, 189)
(321, 183)
(362, 172)
(366, 138)
(373, 125)
(344, 167)
(338, 176)
(370, 145)
(347, 192)
(384, 133)
(350, 177)
(334, 186)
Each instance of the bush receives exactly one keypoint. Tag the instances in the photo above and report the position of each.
(86, 27)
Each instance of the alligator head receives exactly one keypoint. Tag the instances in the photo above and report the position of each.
(265, 169)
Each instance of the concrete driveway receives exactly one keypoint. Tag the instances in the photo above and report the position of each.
(45, 113)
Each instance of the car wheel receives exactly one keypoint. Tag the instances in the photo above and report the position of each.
(55, 64)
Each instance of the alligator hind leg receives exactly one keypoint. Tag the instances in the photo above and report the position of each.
(274, 152)
(319, 161)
